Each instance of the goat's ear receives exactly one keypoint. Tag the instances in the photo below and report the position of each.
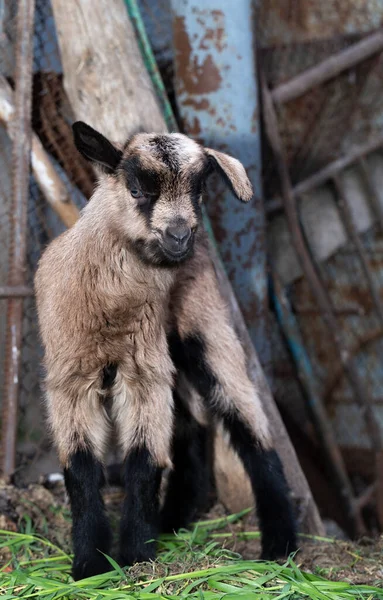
(95, 147)
(233, 172)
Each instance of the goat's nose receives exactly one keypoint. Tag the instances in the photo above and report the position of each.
(179, 233)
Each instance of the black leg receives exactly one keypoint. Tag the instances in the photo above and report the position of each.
(188, 489)
(140, 516)
(91, 533)
(276, 518)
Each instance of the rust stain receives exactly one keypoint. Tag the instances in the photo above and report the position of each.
(193, 128)
(302, 20)
(252, 309)
(196, 78)
(203, 104)
(213, 37)
(254, 121)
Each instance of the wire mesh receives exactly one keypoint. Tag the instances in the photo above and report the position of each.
(51, 121)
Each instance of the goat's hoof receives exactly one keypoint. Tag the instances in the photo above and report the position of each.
(278, 546)
(128, 558)
(90, 565)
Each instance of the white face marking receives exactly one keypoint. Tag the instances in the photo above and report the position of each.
(187, 148)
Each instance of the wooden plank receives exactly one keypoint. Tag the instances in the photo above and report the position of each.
(105, 74)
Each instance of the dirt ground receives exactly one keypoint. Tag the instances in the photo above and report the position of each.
(46, 512)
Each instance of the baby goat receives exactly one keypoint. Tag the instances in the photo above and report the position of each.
(128, 299)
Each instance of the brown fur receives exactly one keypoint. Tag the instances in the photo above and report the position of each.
(235, 172)
(99, 304)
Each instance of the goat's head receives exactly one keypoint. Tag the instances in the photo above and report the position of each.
(160, 179)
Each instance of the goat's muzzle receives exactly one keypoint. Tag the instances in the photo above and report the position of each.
(177, 241)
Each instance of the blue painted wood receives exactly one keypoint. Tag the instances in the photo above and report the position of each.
(217, 95)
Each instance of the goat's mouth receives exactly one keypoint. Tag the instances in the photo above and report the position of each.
(178, 256)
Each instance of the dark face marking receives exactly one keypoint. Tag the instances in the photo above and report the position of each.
(166, 151)
(147, 181)
(165, 171)
(173, 183)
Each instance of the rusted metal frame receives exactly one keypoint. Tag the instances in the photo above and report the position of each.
(328, 68)
(344, 209)
(349, 366)
(319, 290)
(317, 411)
(372, 195)
(366, 497)
(357, 348)
(15, 291)
(21, 150)
(329, 171)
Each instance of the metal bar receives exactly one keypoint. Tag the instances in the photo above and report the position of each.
(345, 211)
(328, 69)
(15, 291)
(371, 192)
(323, 175)
(366, 497)
(349, 366)
(354, 350)
(21, 151)
(379, 486)
(348, 221)
(317, 410)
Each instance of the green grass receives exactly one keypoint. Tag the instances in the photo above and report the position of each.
(189, 565)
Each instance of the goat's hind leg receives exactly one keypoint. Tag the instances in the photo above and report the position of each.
(189, 483)
(81, 433)
(215, 362)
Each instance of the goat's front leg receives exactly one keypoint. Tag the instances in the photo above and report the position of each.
(144, 419)
(81, 431)
(205, 346)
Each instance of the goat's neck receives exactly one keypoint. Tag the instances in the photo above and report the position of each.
(122, 273)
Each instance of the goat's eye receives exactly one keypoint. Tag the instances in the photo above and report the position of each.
(136, 193)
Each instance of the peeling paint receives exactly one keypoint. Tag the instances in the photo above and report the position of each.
(197, 77)
(217, 97)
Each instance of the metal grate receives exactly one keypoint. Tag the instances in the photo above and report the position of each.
(328, 119)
